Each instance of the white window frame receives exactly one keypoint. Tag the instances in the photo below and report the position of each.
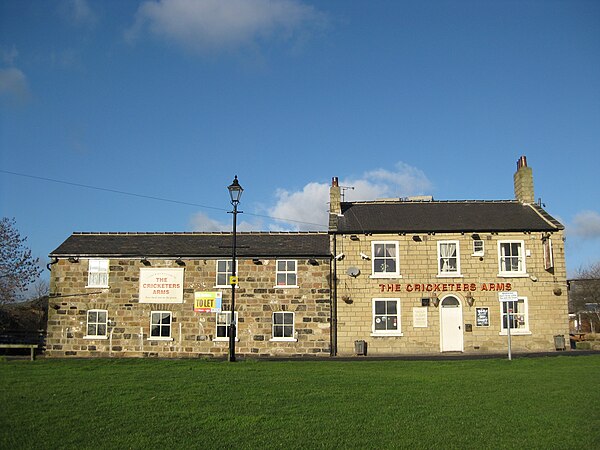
(226, 314)
(379, 274)
(286, 273)
(160, 337)
(98, 269)
(481, 251)
(442, 273)
(521, 317)
(291, 338)
(398, 315)
(228, 273)
(521, 257)
(96, 323)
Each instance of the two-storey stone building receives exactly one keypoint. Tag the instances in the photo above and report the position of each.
(168, 295)
(422, 276)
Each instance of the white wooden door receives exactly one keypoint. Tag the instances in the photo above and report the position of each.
(451, 325)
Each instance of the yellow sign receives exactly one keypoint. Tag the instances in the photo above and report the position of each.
(207, 301)
(233, 280)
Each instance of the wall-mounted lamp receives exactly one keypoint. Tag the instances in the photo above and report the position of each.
(417, 238)
(179, 262)
(476, 237)
(354, 237)
(470, 299)
(73, 259)
(256, 261)
(145, 262)
(435, 301)
(364, 256)
(313, 262)
(340, 256)
(347, 299)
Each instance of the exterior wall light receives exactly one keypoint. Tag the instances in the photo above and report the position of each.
(435, 301)
(470, 299)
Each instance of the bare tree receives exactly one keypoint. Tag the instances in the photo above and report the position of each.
(584, 295)
(18, 269)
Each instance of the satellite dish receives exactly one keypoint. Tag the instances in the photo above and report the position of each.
(353, 271)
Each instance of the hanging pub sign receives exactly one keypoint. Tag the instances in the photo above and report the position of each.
(161, 285)
(207, 301)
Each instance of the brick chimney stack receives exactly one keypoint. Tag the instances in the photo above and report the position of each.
(335, 203)
(523, 179)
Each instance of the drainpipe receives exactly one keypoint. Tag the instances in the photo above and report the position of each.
(333, 295)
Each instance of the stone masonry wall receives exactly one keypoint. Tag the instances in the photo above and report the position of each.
(546, 293)
(192, 332)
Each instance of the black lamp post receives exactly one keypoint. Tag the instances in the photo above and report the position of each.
(235, 191)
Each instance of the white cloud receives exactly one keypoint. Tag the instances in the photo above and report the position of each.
(201, 222)
(310, 204)
(13, 85)
(586, 225)
(9, 55)
(78, 12)
(211, 25)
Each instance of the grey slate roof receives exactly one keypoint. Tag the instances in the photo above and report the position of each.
(443, 216)
(198, 245)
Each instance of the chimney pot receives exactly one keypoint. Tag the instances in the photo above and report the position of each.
(334, 181)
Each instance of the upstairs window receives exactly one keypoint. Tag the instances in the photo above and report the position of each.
(511, 256)
(98, 273)
(287, 273)
(97, 323)
(448, 258)
(478, 247)
(224, 272)
(385, 259)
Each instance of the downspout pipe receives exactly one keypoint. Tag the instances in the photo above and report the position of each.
(333, 278)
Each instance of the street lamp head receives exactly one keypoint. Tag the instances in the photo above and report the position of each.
(235, 191)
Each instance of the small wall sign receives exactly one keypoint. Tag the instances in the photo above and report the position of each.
(482, 317)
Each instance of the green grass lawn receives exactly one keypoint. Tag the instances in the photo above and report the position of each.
(130, 403)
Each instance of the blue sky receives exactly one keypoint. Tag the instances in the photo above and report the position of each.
(170, 99)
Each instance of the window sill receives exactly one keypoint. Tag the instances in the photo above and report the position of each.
(478, 254)
(95, 337)
(291, 286)
(283, 340)
(160, 338)
(513, 275)
(387, 334)
(386, 276)
(225, 286)
(449, 275)
(97, 287)
(224, 339)
(515, 333)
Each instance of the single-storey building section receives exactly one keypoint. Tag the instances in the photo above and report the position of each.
(168, 295)
(421, 276)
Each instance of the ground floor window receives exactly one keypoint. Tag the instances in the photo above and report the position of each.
(97, 323)
(514, 314)
(283, 326)
(160, 324)
(223, 320)
(386, 316)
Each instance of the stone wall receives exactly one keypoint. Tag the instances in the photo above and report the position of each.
(545, 290)
(192, 332)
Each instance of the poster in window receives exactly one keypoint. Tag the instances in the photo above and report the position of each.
(482, 317)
